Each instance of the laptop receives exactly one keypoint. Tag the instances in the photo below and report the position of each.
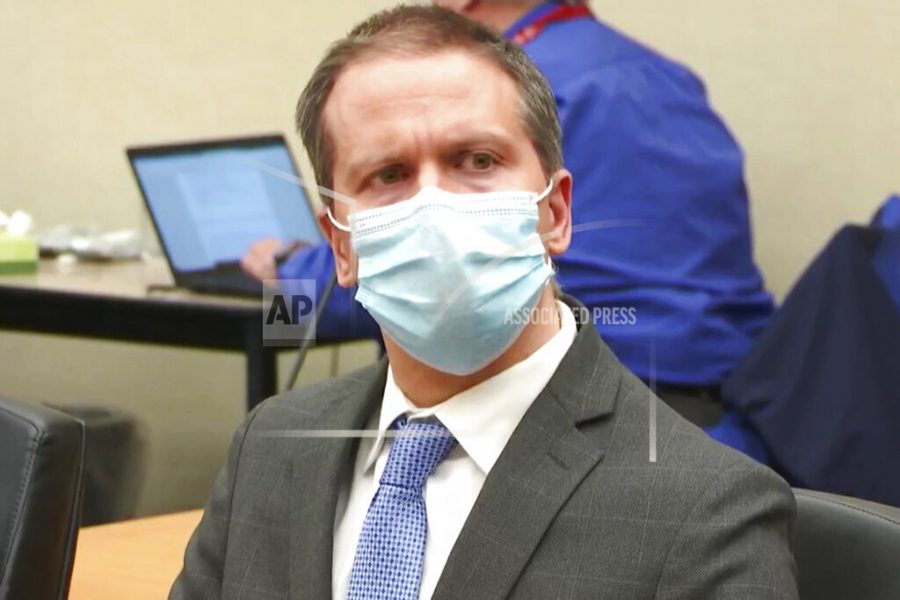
(210, 200)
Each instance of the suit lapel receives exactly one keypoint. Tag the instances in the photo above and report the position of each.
(546, 458)
(320, 467)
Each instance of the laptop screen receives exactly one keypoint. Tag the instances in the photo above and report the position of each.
(210, 201)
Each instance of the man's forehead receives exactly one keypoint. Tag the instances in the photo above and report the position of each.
(397, 87)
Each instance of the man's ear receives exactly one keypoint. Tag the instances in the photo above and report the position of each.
(342, 248)
(557, 225)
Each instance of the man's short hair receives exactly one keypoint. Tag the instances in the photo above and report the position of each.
(415, 31)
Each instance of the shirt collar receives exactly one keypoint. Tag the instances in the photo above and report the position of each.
(482, 418)
(530, 17)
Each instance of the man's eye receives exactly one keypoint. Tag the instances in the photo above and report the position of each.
(480, 161)
(390, 175)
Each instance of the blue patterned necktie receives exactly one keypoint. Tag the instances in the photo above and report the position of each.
(391, 547)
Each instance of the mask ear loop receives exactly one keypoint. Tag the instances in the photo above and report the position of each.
(335, 222)
(546, 192)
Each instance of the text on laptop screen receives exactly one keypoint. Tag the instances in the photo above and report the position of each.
(211, 203)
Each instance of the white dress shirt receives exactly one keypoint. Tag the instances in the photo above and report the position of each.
(482, 419)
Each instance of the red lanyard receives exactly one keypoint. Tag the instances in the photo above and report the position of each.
(560, 13)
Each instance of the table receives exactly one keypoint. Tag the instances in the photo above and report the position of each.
(137, 559)
(111, 301)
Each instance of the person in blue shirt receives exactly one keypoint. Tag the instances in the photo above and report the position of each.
(887, 255)
(662, 247)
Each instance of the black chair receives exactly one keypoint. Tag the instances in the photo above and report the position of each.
(846, 548)
(41, 470)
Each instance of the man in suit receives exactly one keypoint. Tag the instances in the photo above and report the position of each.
(644, 144)
(500, 450)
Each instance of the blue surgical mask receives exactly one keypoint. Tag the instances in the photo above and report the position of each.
(449, 276)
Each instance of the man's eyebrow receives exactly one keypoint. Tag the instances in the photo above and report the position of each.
(453, 140)
(467, 137)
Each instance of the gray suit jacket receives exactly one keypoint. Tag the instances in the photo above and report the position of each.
(573, 509)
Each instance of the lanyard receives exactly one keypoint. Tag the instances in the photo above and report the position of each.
(560, 13)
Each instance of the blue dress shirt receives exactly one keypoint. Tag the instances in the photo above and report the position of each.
(648, 154)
